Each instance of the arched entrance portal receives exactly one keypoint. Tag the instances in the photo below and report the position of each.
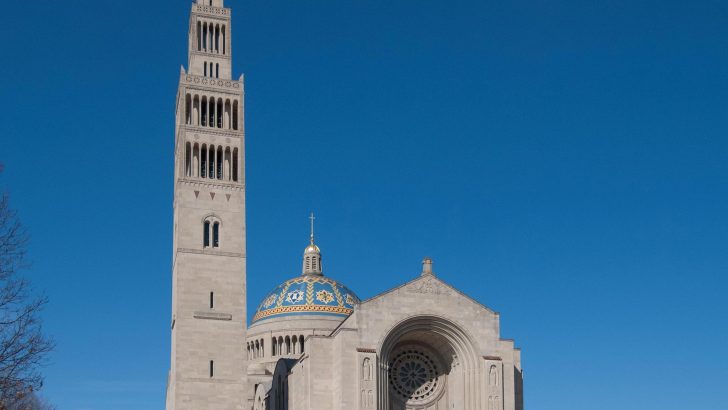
(427, 362)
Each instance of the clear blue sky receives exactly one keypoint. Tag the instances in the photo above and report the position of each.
(564, 162)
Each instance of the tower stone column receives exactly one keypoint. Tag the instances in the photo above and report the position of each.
(208, 365)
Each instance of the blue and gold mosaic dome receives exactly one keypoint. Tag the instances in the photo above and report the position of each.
(307, 295)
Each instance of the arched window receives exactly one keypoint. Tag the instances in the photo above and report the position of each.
(219, 162)
(204, 72)
(235, 115)
(217, 38)
(300, 340)
(199, 36)
(224, 44)
(203, 161)
(211, 162)
(211, 112)
(188, 159)
(216, 235)
(274, 346)
(206, 234)
(203, 112)
(188, 109)
(219, 113)
(196, 110)
(211, 232)
(217, 70)
(235, 165)
(204, 36)
(196, 160)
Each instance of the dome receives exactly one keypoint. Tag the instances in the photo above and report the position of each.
(307, 295)
(312, 248)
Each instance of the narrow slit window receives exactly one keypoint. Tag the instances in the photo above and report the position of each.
(212, 369)
(212, 300)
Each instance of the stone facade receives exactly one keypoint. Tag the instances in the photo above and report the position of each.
(312, 343)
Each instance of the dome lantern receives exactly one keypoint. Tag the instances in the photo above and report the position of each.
(312, 256)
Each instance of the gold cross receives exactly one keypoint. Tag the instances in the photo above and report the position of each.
(312, 218)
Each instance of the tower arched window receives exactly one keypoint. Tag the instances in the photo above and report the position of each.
(235, 165)
(188, 109)
(199, 36)
(188, 159)
(235, 114)
(203, 161)
(211, 232)
(206, 234)
(203, 112)
(211, 162)
(219, 162)
(216, 235)
(204, 36)
(218, 111)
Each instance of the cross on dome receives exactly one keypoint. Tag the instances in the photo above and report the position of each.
(312, 219)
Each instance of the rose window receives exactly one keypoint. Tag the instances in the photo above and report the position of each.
(413, 376)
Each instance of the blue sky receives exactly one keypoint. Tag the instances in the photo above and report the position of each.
(563, 162)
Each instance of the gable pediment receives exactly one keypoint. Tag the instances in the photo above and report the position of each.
(430, 286)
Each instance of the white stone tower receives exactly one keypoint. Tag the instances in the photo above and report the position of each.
(208, 267)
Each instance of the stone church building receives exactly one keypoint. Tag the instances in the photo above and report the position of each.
(312, 344)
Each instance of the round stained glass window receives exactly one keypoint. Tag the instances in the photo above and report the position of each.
(413, 376)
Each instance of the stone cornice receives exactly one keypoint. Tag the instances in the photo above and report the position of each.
(199, 129)
(211, 11)
(210, 252)
(210, 184)
(212, 84)
(226, 56)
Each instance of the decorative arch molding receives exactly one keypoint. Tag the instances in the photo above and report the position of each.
(211, 217)
(457, 339)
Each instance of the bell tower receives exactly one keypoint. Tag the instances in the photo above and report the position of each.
(208, 323)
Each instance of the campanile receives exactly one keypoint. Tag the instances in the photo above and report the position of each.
(209, 259)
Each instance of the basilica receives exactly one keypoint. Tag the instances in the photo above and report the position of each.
(312, 343)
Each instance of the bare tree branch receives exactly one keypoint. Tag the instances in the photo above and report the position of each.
(23, 346)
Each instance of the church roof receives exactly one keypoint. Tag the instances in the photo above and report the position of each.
(307, 295)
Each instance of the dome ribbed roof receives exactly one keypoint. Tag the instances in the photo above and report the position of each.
(307, 295)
